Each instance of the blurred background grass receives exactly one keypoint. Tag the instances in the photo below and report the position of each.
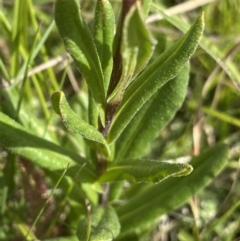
(33, 64)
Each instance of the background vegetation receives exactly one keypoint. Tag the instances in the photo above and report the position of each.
(210, 114)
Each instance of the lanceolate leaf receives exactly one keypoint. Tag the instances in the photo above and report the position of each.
(137, 43)
(46, 154)
(144, 171)
(79, 43)
(103, 37)
(137, 47)
(169, 194)
(228, 66)
(163, 69)
(152, 117)
(74, 123)
(101, 225)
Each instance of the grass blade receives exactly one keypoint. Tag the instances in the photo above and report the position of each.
(46, 154)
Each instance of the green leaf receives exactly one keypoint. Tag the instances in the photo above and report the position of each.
(136, 49)
(146, 4)
(102, 225)
(228, 66)
(92, 111)
(79, 43)
(115, 191)
(152, 117)
(103, 37)
(144, 171)
(46, 154)
(171, 193)
(163, 69)
(137, 44)
(74, 123)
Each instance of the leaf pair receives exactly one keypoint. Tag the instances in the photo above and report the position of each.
(152, 117)
(91, 53)
(158, 73)
(137, 47)
(131, 170)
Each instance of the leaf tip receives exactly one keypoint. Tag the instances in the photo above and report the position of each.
(186, 171)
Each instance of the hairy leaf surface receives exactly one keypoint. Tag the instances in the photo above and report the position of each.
(163, 69)
(74, 123)
(152, 117)
(79, 43)
(169, 194)
(144, 171)
(136, 49)
(101, 225)
(103, 37)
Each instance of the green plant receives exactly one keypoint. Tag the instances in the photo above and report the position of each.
(130, 98)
